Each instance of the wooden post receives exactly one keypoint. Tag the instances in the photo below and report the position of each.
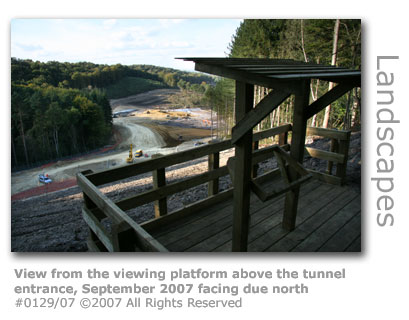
(255, 167)
(123, 238)
(283, 138)
(92, 237)
(213, 163)
(159, 180)
(333, 148)
(302, 96)
(242, 170)
(343, 149)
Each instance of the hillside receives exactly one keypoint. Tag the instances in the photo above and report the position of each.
(62, 109)
(129, 86)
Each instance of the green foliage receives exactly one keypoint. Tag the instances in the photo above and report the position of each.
(131, 85)
(256, 38)
(284, 38)
(85, 74)
(308, 40)
(220, 98)
(190, 95)
(49, 122)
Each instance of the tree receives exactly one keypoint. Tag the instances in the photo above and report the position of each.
(256, 38)
(55, 118)
(333, 63)
(324, 41)
(19, 101)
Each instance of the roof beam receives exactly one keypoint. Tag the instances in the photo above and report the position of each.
(252, 61)
(317, 75)
(246, 77)
(352, 79)
(287, 66)
(266, 68)
(329, 97)
(258, 113)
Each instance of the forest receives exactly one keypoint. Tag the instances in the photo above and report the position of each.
(62, 109)
(323, 41)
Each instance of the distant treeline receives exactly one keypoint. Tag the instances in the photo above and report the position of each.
(60, 109)
(89, 75)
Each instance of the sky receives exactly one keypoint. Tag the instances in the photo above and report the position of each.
(124, 41)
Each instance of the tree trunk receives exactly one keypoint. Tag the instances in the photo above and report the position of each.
(356, 109)
(218, 122)
(347, 113)
(23, 136)
(14, 152)
(302, 41)
(333, 63)
(348, 119)
(226, 120)
(74, 139)
(55, 137)
(211, 123)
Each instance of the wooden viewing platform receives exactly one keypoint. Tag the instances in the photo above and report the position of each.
(289, 208)
(329, 219)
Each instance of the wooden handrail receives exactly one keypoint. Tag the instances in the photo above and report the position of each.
(170, 189)
(143, 238)
(272, 132)
(328, 133)
(131, 170)
(338, 153)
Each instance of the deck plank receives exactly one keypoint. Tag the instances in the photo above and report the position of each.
(355, 246)
(197, 231)
(173, 231)
(344, 237)
(308, 206)
(205, 235)
(328, 220)
(222, 241)
(330, 227)
(307, 227)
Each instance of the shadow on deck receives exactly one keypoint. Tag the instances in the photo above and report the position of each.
(329, 219)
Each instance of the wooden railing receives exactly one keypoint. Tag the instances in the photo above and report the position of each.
(337, 154)
(122, 233)
(125, 234)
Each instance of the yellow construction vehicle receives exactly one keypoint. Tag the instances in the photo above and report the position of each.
(138, 153)
(130, 158)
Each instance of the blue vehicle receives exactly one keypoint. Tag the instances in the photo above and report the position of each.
(44, 179)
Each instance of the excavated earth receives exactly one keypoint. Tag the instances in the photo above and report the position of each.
(53, 223)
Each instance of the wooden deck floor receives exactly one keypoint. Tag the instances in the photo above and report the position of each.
(329, 220)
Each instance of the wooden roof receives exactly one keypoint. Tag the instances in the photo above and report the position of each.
(268, 72)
